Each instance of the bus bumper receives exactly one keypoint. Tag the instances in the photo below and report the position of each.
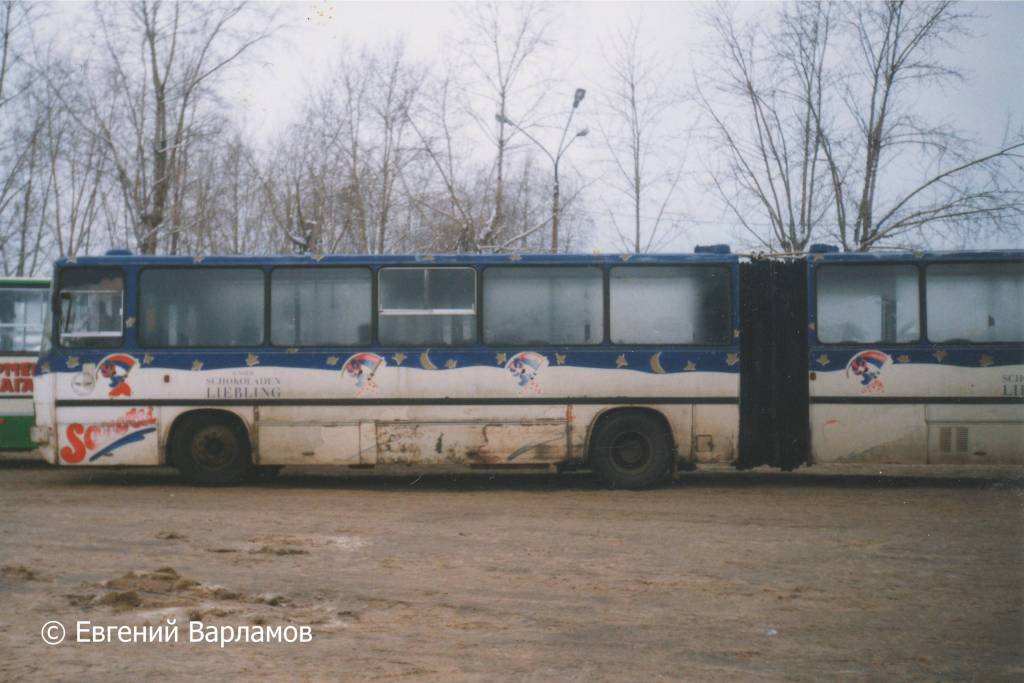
(42, 436)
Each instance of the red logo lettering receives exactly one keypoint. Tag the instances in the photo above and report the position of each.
(75, 452)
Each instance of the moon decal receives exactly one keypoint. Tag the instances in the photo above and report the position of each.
(425, 361)
(656, 364)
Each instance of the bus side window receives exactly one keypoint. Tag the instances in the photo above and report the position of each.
(323, 306)
(91, 307)
(539, 306)
(867, 304)
(975, 302)
(201, 307)
(21, 318)
(670, 305)
(427, 306)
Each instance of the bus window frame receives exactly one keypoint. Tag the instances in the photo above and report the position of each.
(922, 322)
(57, 339)
(47, 301)
(477, 305)
(139, 291)
(729, 269)
(925, 336)
(315, 267)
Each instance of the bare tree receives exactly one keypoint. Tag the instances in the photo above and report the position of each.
(76, 163)
(824, 135)
(446, 201)
(768, 119)
(504, 39)
(160, 60)
(896, 54)
(646, 166)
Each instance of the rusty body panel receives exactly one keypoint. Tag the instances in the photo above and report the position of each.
(468, 435)
(465, 443)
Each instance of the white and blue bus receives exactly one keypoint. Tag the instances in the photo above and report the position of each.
(630, 366)
(221, 366)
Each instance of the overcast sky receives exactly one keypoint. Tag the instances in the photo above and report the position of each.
(266, 97)
(992, 58)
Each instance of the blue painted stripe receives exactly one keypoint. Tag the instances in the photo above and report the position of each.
(825, 358)
(670, 360)
(123, 441)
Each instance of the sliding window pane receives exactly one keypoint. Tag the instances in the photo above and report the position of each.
(432, 306)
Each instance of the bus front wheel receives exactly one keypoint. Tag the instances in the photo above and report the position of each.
(631, 450)
(212, 451)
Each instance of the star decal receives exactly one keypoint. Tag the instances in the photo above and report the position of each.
(147, 359)
(451, 364)
(732, 359)
(559, 358)
(620, 362)
(500, 358)
(940, 355)
(399, 358)
(197, 365)
(823, 360)
(332, 360)
(252, 359)
(690, 366)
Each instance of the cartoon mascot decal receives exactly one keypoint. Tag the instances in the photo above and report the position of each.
(867, 367)
(115, 369)
(361, 367)
(525, 366)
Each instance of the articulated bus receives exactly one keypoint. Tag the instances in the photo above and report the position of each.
(629, 366)
(23, 303)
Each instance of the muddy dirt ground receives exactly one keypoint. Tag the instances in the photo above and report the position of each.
(723, 576)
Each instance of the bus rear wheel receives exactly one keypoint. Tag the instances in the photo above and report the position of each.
(211, 450)
(630, 450)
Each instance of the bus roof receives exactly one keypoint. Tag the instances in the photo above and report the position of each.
(880, 256)
(424, 259)
(24, 282)
(888, 256)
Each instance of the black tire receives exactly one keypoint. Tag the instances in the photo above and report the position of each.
(631, 450)
(212, 450)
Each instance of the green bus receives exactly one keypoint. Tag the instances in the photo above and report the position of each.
(23, 303)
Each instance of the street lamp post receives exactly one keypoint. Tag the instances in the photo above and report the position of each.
(556, 158)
